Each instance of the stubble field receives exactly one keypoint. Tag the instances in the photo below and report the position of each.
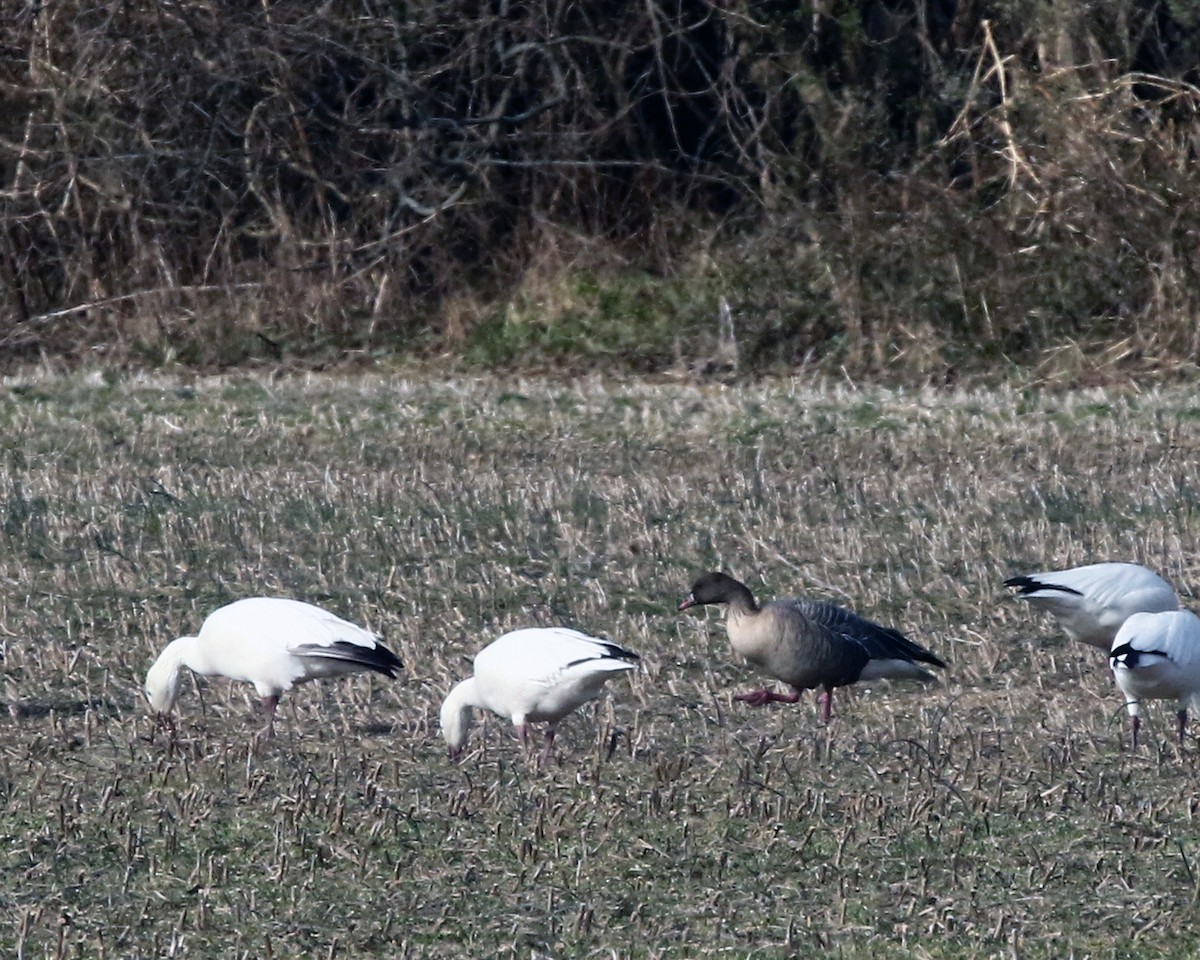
(998, 814)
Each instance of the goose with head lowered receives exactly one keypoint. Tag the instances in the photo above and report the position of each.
(808, 644)
(533, 675)
(271, 642)
(1156, 656)
(1091, 602)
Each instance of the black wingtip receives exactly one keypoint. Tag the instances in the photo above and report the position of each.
(917, 653)
(1131, 657)
(1124, 654)
(618, 652)
(904, 647)
(1027, 585)
(611, 651)
(378, 658)
(933, 660)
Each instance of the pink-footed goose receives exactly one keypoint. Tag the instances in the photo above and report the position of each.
(808, 643)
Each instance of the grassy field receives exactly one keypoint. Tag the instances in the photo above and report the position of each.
(998, 814)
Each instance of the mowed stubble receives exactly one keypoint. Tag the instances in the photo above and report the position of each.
(1000, 811)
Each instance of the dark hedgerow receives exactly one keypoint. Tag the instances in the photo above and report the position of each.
(910, 189)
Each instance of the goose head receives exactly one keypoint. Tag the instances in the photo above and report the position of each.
(714, 588)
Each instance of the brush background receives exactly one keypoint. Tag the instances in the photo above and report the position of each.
(920, 191)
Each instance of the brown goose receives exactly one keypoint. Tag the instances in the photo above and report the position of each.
(808, 643)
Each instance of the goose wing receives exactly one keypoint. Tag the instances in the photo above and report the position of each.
(1165, 638)
(293, 628)
(544, 654)
(880, 642)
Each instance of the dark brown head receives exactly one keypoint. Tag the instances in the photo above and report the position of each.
(716, 588)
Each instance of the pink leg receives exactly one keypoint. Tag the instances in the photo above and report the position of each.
(826, 700)
(757, 698)
(269, 705)
(548, 752)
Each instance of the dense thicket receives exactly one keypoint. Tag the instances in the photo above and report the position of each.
(887, 184)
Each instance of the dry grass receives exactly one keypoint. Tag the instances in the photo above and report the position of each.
(998, 814)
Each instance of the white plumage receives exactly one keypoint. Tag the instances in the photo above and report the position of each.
(271, 642)
(533, 675)
(1156, 656)
(1092, 602)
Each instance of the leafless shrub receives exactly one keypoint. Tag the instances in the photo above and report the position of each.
(197, 182)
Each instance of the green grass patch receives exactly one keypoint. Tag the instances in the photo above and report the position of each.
(630, 317)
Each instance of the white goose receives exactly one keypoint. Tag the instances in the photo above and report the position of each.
(1092, 602)
(272, 643)
(533, 675)
(1156, 656)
